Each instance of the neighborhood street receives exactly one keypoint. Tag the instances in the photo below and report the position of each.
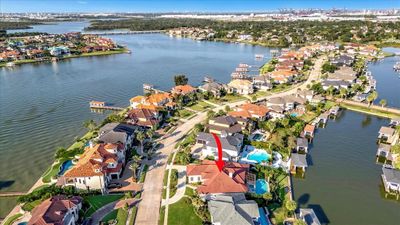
(149, 206)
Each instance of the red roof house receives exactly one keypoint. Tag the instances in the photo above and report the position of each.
(232, 178)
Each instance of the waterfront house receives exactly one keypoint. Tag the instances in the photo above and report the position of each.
(391, 179)
(146, 118)
(213, 87)
(343, 60)
(232, 178)
(231, 145)
(286, 103)
(154, 101)
(233, 209)
(335, 84)
(308, 216)
(282, 76)
(227, 124)
(117, 133)
(248, 111)
(360, 97)
(57, 210)
(59, 51)
(343, 74)
(183, 89)
(242, 87)
(302, 144)
(388, 135)
(96, 167)
(298, 161)
(305, 94)
(309, 131)
(262, 83)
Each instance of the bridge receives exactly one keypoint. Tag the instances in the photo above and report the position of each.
(126, 32)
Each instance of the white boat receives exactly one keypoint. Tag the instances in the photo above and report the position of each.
(10, 64)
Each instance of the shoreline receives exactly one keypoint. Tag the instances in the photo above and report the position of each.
(91, 54)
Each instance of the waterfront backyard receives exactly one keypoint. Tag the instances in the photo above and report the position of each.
(343, 183)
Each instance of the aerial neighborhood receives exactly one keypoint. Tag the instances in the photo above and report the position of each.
(265, 123)
(52, 47)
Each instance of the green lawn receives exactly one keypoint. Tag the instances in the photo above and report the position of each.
(98, 201)
(185, 113)
(173, 182)
(182, 213)
(189, 191)
(380, 113)
(120, 214)
(51, 172)
(143, 174)
(12, 219)
(162, 214)
(133, 215)
(201, 106)
(233, 98)
(31, 205)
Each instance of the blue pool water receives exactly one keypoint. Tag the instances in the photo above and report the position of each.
(23, 223)
(65, 166)
(294, 114)
(261, 186)
(262, 220)
(257, 137)
(259, 156)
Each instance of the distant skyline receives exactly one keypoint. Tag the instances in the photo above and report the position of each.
(186, 5)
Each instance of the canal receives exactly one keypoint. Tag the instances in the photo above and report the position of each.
(43, 106)
(46, 104)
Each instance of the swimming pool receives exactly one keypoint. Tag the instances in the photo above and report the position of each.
(259, 156)
(261, 187)
(293, 114)
(65, 166)
(257, 137)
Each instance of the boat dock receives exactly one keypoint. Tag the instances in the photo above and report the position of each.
(103, 105)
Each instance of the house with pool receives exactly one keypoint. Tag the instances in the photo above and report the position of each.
(96, 168)
(231, 145)
(234, 178)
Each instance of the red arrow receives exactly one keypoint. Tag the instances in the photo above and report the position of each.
(220, 163)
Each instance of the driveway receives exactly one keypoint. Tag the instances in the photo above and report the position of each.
(149, 207)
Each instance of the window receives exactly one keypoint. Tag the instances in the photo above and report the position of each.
(191, 178)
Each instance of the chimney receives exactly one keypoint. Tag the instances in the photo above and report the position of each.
(230, 174)
(91, 144)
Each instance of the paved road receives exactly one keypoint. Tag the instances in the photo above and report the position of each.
(149, 207)
(180, 192)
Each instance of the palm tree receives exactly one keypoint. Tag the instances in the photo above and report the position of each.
(134, 166)
(150, 133)
(372, 97)
(343, 93)
(140, 137)
(383, 102)
(90, 125)
(330, 90)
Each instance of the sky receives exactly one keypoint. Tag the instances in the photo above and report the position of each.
(186, 5)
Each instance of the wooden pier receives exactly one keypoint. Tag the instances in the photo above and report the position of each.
(103, 105)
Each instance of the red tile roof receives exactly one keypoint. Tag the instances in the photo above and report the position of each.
(215, 181)
(53, 210)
